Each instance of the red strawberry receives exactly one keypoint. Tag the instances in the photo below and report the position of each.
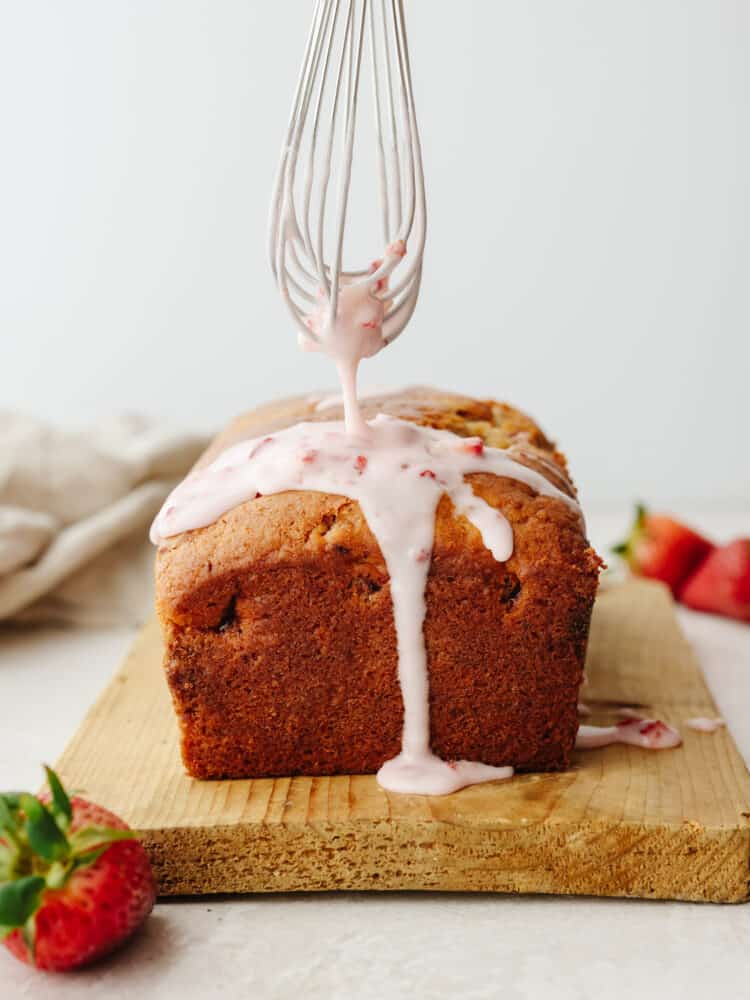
(74, 880)
(663, 549)
(722, 582)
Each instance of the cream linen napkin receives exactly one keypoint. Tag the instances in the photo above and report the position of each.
(74, 514)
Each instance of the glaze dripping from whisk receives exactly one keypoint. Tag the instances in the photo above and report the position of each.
(355, 331)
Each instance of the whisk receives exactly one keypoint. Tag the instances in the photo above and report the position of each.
(323, 120)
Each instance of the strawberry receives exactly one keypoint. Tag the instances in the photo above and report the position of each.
(74, 880)
(722, 582)
(663, 549)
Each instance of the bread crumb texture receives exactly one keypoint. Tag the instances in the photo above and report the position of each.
(280, 647)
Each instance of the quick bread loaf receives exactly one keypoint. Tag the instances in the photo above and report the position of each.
(280, 645)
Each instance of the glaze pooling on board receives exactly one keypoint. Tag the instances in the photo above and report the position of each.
(649, 734)
(397, 473)
(703, 725)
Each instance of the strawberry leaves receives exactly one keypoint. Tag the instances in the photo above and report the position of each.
(7, 861)
(10, 844)
(38, 851)
(68, 894)
(8, 825)
(19, 900)
(83, 841)
(61, 807)
(42, 832)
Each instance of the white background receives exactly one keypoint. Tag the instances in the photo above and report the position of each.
(587, 165)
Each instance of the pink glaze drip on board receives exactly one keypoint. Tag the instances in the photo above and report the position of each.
(704, 725)
(649, 734)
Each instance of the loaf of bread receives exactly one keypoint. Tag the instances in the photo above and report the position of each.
(280, 646)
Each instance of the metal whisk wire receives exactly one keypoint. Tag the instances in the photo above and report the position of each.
(333, 59)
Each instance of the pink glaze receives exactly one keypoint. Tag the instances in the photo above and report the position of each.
(650, 734)
(397, 472)
(703, 725)
(356, 330)
(427, 774)
(334, 399)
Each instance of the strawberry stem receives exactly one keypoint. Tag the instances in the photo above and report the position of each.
(624, 548)
(8, 822)
(57, 875)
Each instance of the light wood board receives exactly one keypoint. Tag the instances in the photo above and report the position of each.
(622, 822)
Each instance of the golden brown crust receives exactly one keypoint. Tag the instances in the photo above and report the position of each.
(281, 650)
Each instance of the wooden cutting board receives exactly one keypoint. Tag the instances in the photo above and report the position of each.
(622, 822)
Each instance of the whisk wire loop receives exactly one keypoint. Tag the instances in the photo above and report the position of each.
(320, 139)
